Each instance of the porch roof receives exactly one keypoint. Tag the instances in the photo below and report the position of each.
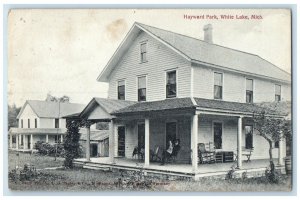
(95, 135)
(195, 103)
(167, 104)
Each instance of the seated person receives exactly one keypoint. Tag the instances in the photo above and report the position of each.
(167, 154)
(176, 148)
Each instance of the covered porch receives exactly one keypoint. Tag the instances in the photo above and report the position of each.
(192, 120)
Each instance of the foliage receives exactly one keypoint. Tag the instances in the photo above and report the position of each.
(272, 175)
(102, 126)
(71, 144)
(57, 99)
(231, 173)
(271, 128)
(27, 173)
(50, 149)
(13, 112)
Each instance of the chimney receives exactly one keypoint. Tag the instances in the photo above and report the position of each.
(208, 33)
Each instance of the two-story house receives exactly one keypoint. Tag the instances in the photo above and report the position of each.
(41, 121)
(165, 86)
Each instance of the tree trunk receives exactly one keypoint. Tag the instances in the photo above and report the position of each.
(270, 151)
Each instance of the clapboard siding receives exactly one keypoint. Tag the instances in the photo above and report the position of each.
(159, 59)
(229, 137)
(28, 113)
(234, 86)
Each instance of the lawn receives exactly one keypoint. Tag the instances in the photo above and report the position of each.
(92, 180)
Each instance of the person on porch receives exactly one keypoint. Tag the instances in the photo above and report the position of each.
(176, 148)
(167, 154)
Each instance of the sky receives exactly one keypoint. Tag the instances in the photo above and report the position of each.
(62, 52)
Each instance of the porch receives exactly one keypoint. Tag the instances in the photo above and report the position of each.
(254, 168)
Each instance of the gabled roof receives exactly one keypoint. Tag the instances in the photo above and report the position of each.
(107, 105)
(199, 51)
(50, 109)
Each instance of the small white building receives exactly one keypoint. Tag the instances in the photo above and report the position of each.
(41, 121)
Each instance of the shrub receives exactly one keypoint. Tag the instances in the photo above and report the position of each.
(272, 175)
(50, 149)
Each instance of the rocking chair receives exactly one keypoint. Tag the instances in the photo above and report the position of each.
(204, 155)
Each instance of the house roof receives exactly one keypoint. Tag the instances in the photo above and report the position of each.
(196, 50)
(167, 104)
(107, 105)
(95, 135)
(50, 109)
(202, 104)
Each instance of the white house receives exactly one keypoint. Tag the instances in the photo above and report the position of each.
(41, 121)
(165, 86)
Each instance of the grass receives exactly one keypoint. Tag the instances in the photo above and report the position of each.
(39, 161)
(92, 180)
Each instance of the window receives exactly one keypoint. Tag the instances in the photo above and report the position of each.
(249, 90)
(142, 88)
(56, 123)
(277, 92)
(276, 144)
(171, 84)
(21, 123)
(218, 135)
(28, 123)
(249, 137)
(143, 52)
(35, 123)
(121, 90)
(218, 85)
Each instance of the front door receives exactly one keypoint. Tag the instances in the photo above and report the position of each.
(94, 150)
(28, 141)
(121, 141)
(171, 129)
(141, 136)
(218, 135)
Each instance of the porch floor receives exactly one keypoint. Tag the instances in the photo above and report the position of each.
(180, 168)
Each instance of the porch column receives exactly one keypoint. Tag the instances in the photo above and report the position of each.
(61, 138)
(17, 141)
(194, 142)
(88, 135)
(111, 141)
(280, 153)
(239, 143)
(147, 142)
(31, 141)
(47, 138)
(24, 142)
(10, 140)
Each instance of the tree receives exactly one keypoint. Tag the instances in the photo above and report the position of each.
(71, 144)
(62, 99)
(13, 112)
(272, 128)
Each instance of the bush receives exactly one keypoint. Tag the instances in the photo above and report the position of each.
(50, 149)
(272, 175)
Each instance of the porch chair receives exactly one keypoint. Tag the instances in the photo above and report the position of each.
(247, 153)
(204, 155)
(156, 154)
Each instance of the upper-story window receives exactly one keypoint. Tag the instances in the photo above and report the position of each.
(249, 90)
(171, 84)
(143, 52)
(56, 123)
(28, 123)
(21, 123)
(142, 88)
(277, 92)
(35, 123)
(218, 85)
(121, 90)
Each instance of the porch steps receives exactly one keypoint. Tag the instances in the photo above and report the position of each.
(96, 167)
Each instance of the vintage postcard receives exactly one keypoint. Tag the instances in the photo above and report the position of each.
(157, 100)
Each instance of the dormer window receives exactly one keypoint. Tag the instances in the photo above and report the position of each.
(171, 84)
(143, 52)
(277, 92)
(249, 90)
(121, 90)
(218, 85)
